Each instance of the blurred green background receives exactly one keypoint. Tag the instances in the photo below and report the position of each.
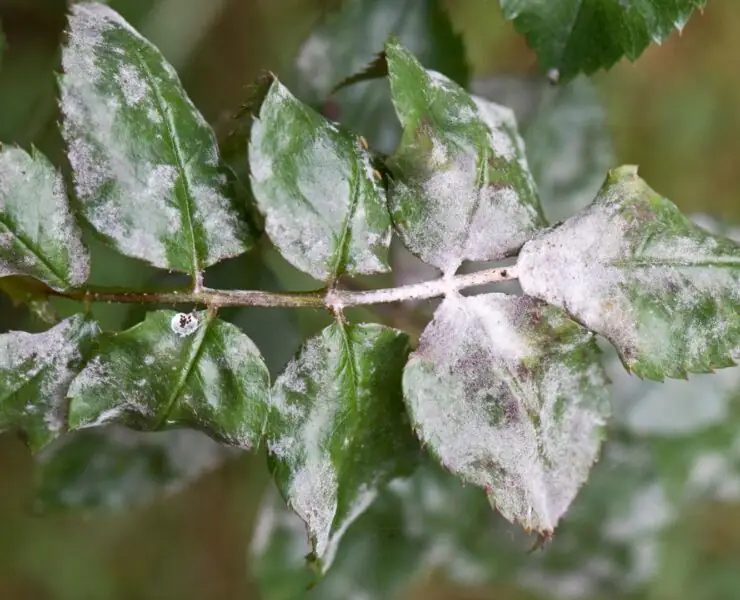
(675, 113)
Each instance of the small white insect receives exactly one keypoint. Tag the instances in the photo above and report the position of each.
(184, 324)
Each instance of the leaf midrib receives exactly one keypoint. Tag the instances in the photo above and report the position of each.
(196, 350)
(340, 261)
(33, 250)
(353, 373)
(648, 262)
(173, 139)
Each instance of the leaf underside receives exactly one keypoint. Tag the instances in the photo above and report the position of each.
(115, 468)
(631, 267)
(509, 394)
(353, 36)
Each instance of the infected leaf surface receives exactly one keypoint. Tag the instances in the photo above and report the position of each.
(509, 394)
(631, 267)
(350, 38)
(146, 166)
(115, 468)
(36, 370)
(324, 205)
(573, 36)
(155, 376)
(461, 187)
(568, 147)
(338, 429)
(38, 234)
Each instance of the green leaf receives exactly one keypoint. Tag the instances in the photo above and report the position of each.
(36, 370)
(609, 543)
(573, 36)
(113, 468)
(631, 267)
(278, 551)
(175, 370)
(349, 38)
(38, 234)
(324, 205)
(376, 561)
(461, 187)
(146, 165)
(510, 395)
(338, 429)
(568, 147)
(417, 524)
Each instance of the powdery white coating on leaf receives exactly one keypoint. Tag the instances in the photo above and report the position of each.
(335, 431)
(38, 234)
(631, 267)
(35, 372)
(715, 475)
(147, 378)
(324, 206)
(141, 153)
(120, 468)
(622, 511)
(569, 148)
(461, 189)
(275, 519)
(506, 405)
(674, 408)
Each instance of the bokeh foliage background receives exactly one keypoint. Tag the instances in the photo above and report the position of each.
(676, 113)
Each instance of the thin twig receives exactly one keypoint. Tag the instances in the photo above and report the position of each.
(332, 299)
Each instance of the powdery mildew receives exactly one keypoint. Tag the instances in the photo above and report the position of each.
(187, 454)
(38, 234)
(504, 411)
(462, 187)
(640, 277)
(214, 378)
(318, 404)
(324, 206)
(35, 372)
(624, 511)
(569, 148)
(145, 162)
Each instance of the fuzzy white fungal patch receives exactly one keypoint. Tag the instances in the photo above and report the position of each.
(36, 370)
(107, 481)
(324, 206)
(141, 153)
(327, 466)
(527, 434)
(644, 288)
(221, 380)
(475, 198)
(184, 324)
(312, 491)
(38, 234)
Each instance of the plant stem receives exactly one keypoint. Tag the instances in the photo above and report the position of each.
(332, 299)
